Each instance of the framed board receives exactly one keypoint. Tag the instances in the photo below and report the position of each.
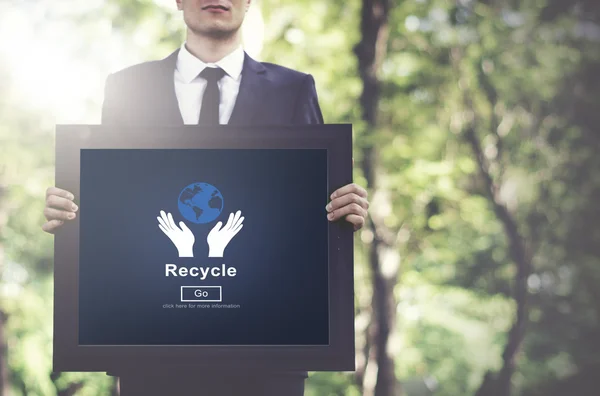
(203, 247)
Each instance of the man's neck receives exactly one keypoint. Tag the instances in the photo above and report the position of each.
(209, 49)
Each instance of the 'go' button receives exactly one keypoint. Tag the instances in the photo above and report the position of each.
(201, 293)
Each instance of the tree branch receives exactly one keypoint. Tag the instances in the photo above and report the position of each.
(521, 257)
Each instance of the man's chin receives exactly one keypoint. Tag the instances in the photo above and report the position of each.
(216, 31)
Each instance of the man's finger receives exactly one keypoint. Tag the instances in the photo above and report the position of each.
(60, 193)
(52, 225)
(54, 201)
(55, 214)
(347, 200)
(349, 188)
(347, 210)
(357, 221)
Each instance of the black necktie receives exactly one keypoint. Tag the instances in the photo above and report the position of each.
(209, 112)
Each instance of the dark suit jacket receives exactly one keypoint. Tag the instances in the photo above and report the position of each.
(269, 94)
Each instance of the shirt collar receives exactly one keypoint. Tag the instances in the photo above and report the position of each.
(189, 66)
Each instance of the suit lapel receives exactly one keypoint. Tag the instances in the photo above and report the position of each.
(251, 93)
(247, 104)
(168, 107)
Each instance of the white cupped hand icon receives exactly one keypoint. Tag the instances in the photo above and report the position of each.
(218, 237)
(182, 238)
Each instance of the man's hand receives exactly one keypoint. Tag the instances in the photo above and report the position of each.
(218, 238)
(351, 202)
(59, 208)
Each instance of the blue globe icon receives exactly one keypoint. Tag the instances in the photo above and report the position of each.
(200, 203)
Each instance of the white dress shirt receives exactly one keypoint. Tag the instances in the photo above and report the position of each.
(189, 87)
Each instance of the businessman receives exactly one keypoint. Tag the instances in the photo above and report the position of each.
(211, 80)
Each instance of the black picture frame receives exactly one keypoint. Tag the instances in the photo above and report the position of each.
(339, 355)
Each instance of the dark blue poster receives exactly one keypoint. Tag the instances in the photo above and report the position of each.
(203, 247)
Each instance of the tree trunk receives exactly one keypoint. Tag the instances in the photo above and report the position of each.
(3, 317)
(363, 317)
(70, 390)
(378, 377)
(3, 353)
(518, 254)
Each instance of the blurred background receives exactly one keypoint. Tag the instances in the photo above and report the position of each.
(476, 131)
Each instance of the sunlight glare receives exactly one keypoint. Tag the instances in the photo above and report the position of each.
(42, 67)
(59, 71)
